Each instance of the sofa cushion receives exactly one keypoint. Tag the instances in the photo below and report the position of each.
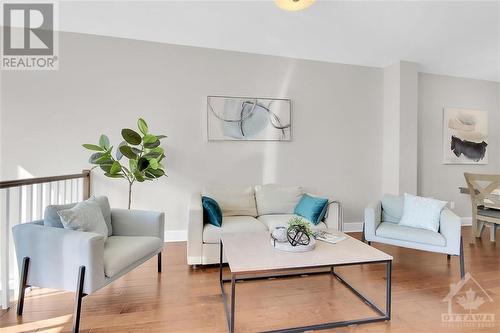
(52, 219)
(281, 220)
(312, 208)
(231, 224)
(234, 201)
(122, 251)
(409, 234)
(392, 208)
(277, 199)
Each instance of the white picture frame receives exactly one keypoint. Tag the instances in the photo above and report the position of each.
(248, 119)
(465, 136)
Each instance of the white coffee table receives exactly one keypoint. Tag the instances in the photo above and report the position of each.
(251, 256)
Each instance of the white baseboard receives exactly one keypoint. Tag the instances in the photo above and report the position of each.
(466, 220)
(353, 226)
(175, 235)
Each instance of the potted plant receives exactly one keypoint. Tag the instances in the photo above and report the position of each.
(142, 150)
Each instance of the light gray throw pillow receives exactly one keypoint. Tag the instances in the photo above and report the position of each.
(422, 213)
(84, 216)
(52, 219)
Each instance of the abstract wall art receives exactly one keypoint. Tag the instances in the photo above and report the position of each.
(248, 119)
(465, 136)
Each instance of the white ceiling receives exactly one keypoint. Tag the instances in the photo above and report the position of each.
(452, 38)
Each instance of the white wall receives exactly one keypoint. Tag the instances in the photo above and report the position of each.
(105, 84)
(435, 92)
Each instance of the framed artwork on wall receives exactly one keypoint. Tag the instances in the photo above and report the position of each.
(465, 136)
(248, 119)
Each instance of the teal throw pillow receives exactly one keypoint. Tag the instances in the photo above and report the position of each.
(312, 208)
(211, 211)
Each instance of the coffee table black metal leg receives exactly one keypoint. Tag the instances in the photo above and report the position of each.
(229, 312)
(388, 290)
(220, 263)
(233, 304)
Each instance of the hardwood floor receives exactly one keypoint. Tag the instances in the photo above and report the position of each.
(185, 300)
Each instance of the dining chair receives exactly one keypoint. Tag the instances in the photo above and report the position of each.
(485, 202)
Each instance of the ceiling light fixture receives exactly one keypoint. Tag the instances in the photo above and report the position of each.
(293, 5)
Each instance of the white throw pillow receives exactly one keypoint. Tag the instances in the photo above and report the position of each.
(277, 199)
(234, 200)
(422, 213)
(85, 216)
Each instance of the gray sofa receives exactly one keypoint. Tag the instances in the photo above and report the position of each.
(381, 225)
(59, 258)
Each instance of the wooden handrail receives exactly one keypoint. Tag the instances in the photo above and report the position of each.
(85, 174)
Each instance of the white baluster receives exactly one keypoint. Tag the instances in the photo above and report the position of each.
(50, 194)
(29, 203)
(39, 202)
(64, 192)
(21, 200)
(4, 249)
(78, 189)
(58, 199)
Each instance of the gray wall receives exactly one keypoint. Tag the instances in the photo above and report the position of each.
(105, 84)
(435, 92)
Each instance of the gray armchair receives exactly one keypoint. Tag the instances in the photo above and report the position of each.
(381, 225)
(59, 258)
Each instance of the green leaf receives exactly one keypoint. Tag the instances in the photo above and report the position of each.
(148, 138)
(131, 136)
(162, 156)
(152, 154)
(106, 167)
(116, 175)
(156, 150)
(119, 154)
(104, 142)
(159, 137)
(135, 150)
(153, 163)
(115, 168)
(152, 144)
(133, 165)
(138, 176)
(143, 127)
(104, 159)
(127, 151)
(94, 157)
(155, 173)
(92, 147)
(142, 164)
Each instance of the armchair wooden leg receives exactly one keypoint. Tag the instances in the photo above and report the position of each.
(78, 301)
(22, 285)
(159, 262)
(462, 265)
